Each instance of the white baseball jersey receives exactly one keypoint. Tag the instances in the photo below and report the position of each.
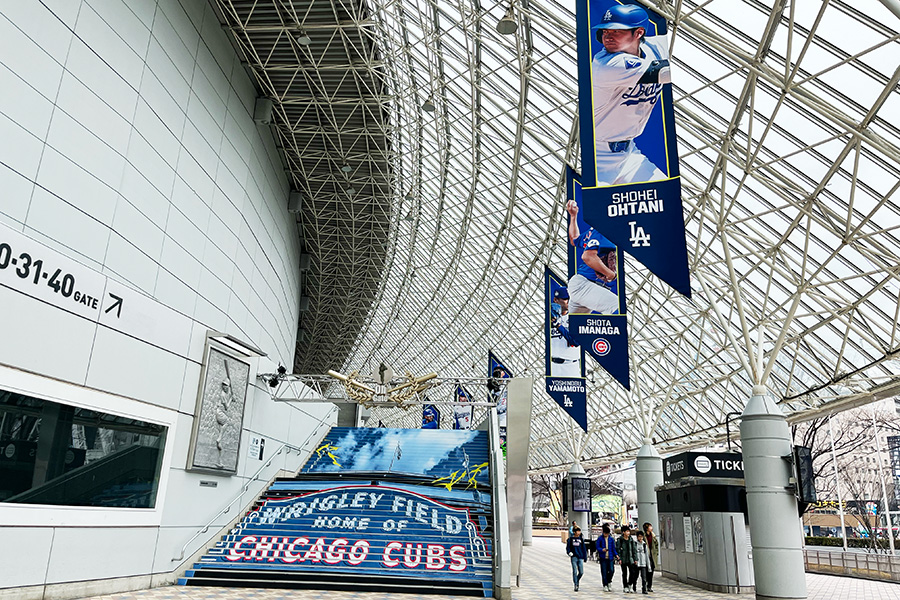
(559, 346)
(622, 104)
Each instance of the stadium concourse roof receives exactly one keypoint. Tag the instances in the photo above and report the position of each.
(790, 157)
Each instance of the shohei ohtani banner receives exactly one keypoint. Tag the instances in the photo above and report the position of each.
(596, 290)
(564, 357)
(632, 187)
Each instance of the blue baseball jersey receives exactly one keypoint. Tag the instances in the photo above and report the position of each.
(592, 240)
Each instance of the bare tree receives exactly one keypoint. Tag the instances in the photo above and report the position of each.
(547, 491)
(858, 465)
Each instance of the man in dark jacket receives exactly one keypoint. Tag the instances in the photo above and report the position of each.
(627, 549)
(606, 549)
(577, 553)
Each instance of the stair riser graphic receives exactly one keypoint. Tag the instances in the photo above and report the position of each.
(390, 510)
(365, 527)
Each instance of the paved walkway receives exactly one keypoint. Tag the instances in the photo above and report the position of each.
(547, 575)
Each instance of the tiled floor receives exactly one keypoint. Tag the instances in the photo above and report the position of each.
(547, 575)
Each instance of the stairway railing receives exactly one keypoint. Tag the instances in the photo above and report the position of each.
(244, 488)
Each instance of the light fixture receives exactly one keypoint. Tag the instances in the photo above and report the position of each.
(302, 38)
(409, 198)
(351, 190)
(507, 25)
(428, 106)
(408, 217)
(346, 168)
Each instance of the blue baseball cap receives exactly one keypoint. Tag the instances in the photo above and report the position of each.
(561, 293)
(628, 16)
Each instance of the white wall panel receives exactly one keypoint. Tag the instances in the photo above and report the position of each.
(17, 191)
(78, 233)
(132, 368)
(128, 263)
(24, 554)
(23, 104)
(150, 170)
(133, 553)
(57, 341)
(50, 36)
(95, 114)
(99, 21)
(22, 150)
(83, 189)
(73, 140)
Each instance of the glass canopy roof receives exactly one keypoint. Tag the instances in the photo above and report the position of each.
(787, 116)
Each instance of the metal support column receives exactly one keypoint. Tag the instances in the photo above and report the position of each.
(775, 537)
(529, 507)
(648, 474)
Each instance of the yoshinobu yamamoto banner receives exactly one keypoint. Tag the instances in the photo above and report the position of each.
(632, 187)
(596, 290)
(564, 360)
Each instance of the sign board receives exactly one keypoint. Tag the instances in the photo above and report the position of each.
(37, 271)
(356, 529)
(257, 448)
(581, 494)
(688, 534)
(703, 464)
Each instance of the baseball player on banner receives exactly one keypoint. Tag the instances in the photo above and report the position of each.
(565, 354)
(594, 287)
(627, 76)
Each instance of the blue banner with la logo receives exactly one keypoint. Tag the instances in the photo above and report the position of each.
(497, 391)
(632, 186)
(564, 358)
(596, 289)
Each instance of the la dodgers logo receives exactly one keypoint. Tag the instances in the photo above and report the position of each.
(601, 347)
(607, 16)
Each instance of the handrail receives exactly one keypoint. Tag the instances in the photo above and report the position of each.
(244, 490)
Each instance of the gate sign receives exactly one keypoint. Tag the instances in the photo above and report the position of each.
(359, 529)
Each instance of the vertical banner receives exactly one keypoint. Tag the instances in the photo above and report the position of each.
(462, 414)
(596, 290)
(498, 393)
(632, 186)
(431, 417)
(564, 358)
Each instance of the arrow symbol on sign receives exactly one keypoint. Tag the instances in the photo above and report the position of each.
(116, 304)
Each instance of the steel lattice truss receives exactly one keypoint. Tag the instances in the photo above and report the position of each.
(332, 123)
(790, 159)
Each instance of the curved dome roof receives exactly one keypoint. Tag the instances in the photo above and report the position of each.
(790, 159)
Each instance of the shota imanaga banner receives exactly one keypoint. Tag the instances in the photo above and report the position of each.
(632, 187)
(596, 289)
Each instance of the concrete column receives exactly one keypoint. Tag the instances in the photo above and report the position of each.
(529, 506)
(582, 518)
(775, 538)
(648, 473)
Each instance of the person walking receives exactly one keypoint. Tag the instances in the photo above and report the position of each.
(606, 549)
(627, 548)
(653, 545)
(642, 561)
(577, 554)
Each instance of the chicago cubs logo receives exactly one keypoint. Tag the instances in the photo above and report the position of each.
(601, 347)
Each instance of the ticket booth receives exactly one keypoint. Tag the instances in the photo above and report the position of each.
(704, 537)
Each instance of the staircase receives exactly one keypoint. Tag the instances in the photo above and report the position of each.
(388, 510)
